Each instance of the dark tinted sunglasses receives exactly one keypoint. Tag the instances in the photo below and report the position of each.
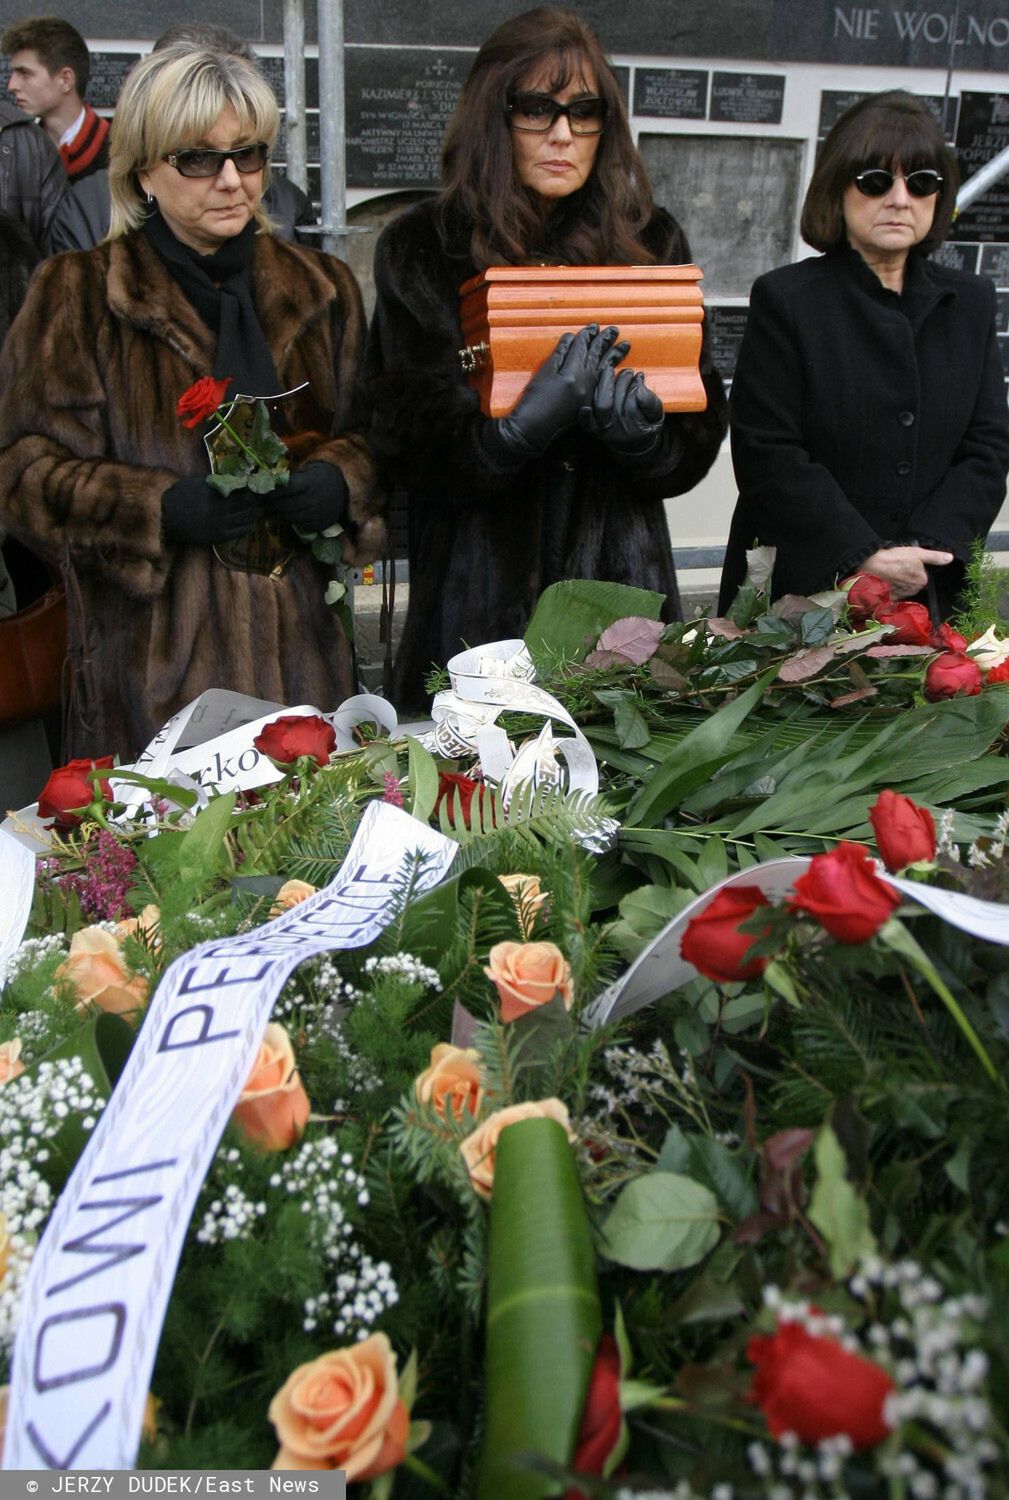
(527, 111)
(875, 181)
(202, 162)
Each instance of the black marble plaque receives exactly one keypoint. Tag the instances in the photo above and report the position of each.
(622, 74)
(834, 102)
(957, 256)
(727, 325)
(982, 132)
(1002, 312)
(108, 69)
(311, 124)
(892, 33)
(273, 67)
(671, 93)
(399, 101)
(995, 263)
(1003, 349)
(747, 98)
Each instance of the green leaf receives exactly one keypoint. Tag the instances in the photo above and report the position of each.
(632, 731)
(643, 914)
(841, 1216)
(570, 616)
(541, 1296)
(697, 756)
(661, 1222)
(201, 852)
(225, 483)
(423, 779)
(262, 482)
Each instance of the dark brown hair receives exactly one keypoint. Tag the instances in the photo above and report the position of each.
(481, 192)
(893, 130)
(57, 43)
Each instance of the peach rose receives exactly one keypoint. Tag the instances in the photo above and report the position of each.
(479, 1149)
(291, 893)
(529, 975)
(527, 896)
(453, 1082)
(96, 969)
(10, 1060)
(272, 1110)
(343, 1411)
(146, 927)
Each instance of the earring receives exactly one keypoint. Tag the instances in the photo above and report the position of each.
(150, 197)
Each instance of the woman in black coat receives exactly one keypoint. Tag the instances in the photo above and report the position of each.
(538, 166)
(868, 412)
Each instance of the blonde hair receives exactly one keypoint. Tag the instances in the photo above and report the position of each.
(170, 100)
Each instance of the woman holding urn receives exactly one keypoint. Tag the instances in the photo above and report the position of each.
(98, 471)
(869, 424)
(538, 165)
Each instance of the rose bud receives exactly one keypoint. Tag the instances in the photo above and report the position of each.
(68, 793)
(713, 942)
(912, 624)
(602, 1420)
(842, 891)
(905, 832)
(99, 975)
(948, 639)
(814, 1387)
(952, 675)
(866, 593)
(288, 738)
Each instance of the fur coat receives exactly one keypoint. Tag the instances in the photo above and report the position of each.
(484, 542)
(90, 441)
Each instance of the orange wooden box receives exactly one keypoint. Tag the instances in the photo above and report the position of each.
(512, 316)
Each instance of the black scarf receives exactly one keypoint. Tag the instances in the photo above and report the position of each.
(220, 288)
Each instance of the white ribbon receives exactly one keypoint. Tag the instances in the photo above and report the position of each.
(99, 1283)
(17, 880)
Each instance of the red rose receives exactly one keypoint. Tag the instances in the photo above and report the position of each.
(948, 639)
(997, 674)
(845, 895)
(912, 622)
(459, 790)
(866, 593)
(713, 942)
(68, 791)
(952, 675)
(201, 400)
(904, 831)
(291, 736)
(814, 1387)
(602, 1421)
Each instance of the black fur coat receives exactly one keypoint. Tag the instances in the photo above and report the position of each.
(92, 369)
(484, 543)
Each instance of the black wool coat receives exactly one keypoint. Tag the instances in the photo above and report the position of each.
(862, 418)
(484, 542)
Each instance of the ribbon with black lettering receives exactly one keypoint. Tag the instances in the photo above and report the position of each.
(99, 1284)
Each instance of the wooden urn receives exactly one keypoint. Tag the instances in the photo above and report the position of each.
(512, 316)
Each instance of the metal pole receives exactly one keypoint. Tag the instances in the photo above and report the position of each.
(332, 130)
(294, 92)
(982, 180)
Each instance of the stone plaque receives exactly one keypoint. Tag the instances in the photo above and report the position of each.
(982, 132)
(727, 326)
(108, 69)
(995, 263)
(399, 101)
(273, 67)
(834, 102)
(1003, 349)
(956, 256)
(748, 98)
(1002, 312)
(671, 93)
(736, 198)
(311, 124)
(892, 33)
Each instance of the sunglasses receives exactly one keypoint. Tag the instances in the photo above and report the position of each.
(875, 181)
(202, 162)
(539, 112)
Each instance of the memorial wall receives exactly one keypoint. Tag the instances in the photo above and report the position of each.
(727, 98)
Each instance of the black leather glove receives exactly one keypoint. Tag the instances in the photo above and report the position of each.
(313, 498)
(192, 511)
(550, 403)
(624, 413)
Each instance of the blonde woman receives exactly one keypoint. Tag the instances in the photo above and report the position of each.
(98, 473)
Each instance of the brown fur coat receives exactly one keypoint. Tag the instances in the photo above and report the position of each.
(89, 442)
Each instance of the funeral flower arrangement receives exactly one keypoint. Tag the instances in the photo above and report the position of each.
(472, 1231)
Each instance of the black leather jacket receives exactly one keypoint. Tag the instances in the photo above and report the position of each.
(32, 179)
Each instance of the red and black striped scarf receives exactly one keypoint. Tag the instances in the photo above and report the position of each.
(80, 155)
